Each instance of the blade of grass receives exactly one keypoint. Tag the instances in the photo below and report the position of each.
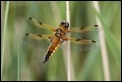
(103, 47)
(68, 44)
(57, 17)
(18, 63)
(70, 70)
(4, 36)
(55, 11)
(87, 67)
(111, 39)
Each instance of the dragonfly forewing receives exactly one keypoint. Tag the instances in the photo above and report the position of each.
(33, 22)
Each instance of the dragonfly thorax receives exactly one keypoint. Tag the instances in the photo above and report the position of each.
(58, 30)
(59, 35)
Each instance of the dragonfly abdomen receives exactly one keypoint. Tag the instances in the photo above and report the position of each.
(51, 50)
(47, 56)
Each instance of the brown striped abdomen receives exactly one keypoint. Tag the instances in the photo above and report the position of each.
(55, 43)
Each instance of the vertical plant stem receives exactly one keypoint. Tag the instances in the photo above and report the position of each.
(4, 36)
(56, 11)
(18, 63)
(103, 46)
(68, 44)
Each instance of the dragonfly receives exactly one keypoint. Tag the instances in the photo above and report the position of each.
(60, 35)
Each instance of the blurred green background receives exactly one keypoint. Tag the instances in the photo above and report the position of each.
(30, 53)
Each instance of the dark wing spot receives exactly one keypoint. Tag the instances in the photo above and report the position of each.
(96, 25)
(49, 37)
(30, 18)
(82, 27)
(39, 35)
(93, 41)
(40, 23)
(78, 39)
(27, 34)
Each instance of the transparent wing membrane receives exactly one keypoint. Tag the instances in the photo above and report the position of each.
(89, 32)
(37, 36)
(84, 45)
(33, 22)
(95, 28)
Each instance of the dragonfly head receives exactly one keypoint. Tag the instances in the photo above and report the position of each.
(65, 24)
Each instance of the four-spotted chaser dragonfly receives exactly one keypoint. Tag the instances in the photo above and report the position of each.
(59, 35)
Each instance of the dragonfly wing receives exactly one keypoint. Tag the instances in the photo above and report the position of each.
(36, 23)
(84, 44)
(96, 28)
(89, 32)
(38, 36)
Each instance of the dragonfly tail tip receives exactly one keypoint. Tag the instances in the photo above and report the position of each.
(44, 61)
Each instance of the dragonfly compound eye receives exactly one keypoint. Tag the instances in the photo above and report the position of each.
(66, 24)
